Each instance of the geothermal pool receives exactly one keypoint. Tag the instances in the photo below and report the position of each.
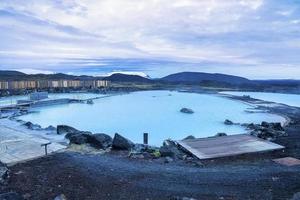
(155, 112)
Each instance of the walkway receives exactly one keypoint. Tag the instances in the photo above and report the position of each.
(19, 144)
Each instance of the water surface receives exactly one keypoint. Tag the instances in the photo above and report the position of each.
(288, 99)
(4, 101)
(155, 112)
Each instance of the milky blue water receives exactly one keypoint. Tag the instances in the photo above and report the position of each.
(288, 99)
(155, 112)
(4, 101)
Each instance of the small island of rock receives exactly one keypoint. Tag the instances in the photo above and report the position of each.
(187, 110)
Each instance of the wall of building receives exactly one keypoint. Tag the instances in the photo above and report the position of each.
(16, 85)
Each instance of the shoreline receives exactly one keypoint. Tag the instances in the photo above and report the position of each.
(255, 105)
(114, 175)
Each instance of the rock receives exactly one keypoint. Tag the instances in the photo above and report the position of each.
(220, 134)
(190, 137)
(100, 140)
(141, 148)
(80, 138)
(11, 196)
(64, 129)
(265, 124)
(277, 127)
(32, 126)
(252, 126)
(69, 135)
(228, 122)
(296, 196)
(60, 197)
(3, 174)
(136, 156)
(187, 110)
(90, 101)
(168, 159)
(170, 149)
(267, 131)
(121, 143)
(50, 128)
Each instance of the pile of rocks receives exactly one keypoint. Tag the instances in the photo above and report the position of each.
(266, 130)
(97, 140)
(169, 151)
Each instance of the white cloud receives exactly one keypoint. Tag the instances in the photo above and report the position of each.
(34, 71)
(231, 32)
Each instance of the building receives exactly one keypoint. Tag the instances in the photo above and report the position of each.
(102, 83)
(43, 84)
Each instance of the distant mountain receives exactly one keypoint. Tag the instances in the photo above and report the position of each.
(15, 75)
(11, 73)
(200, 77)
(127, 78)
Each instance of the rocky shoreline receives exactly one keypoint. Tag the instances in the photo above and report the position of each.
(125, 170)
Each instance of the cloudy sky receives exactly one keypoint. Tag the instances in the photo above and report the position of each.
(252, 38)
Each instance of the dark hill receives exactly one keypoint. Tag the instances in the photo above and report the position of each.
(199, 77)
(127, 78)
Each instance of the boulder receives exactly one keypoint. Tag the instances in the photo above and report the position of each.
(220, 134)
(190, 137)
(121, 143)
(50, 128)
(100, 140)
(144, 149)
(253, 126)
(80, 138)
(187, 110)
(11, 196)
(64, 129)
(265, 124)
(170, 149)
(228, 122)
(3, 174)
(32, 126)
(277, 127)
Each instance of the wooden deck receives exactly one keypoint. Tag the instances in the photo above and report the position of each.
(215, 147)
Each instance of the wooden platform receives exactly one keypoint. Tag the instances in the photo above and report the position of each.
(215, 147)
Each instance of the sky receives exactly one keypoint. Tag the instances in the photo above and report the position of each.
(257, 39)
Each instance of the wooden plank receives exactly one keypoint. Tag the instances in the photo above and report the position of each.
(214, 147)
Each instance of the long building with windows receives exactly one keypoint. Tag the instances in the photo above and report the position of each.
(43, 84)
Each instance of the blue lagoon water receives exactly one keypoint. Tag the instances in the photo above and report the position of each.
(288, 99)
(155, 112)
(4, 101)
